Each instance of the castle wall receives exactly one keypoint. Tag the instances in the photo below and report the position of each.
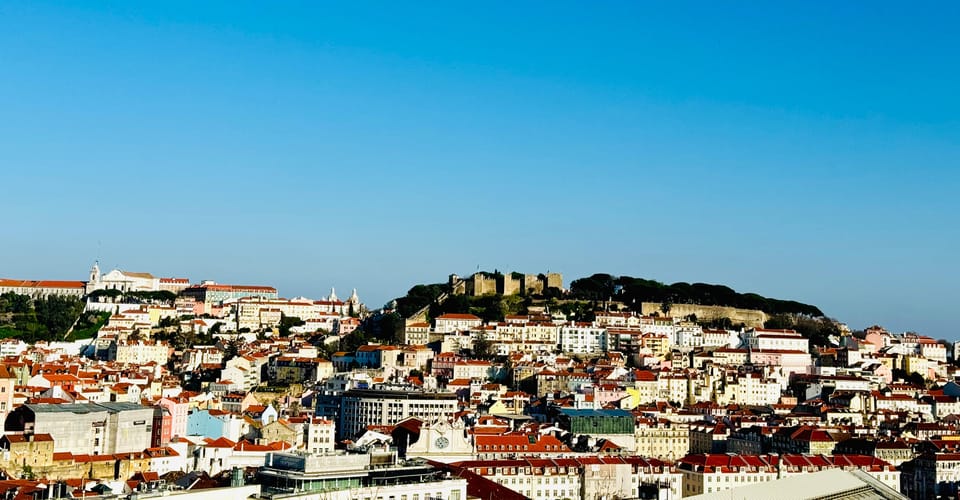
(750, 317)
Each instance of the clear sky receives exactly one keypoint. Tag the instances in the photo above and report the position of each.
(806, 150)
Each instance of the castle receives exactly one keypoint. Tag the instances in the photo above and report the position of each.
(484, 283)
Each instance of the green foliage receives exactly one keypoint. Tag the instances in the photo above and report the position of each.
(288, 322)
(215, 329)
(232, 348)
(634, 291)
(14, 303)
(160, 296)
(596, 287)
(384, 328)
(720, 324)
(106, 292)
(481, 347)
(391, 328)
(818, 330)
(486, 307)
(552, 293)
(88, 325)
(912, 378)
(164, 296)
(419, 297)
(354, 340)
(45, 318)
(168, 322)
(579, 310)
(180, 339)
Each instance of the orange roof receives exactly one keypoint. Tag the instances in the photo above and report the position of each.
(41, 284)
(459, 316)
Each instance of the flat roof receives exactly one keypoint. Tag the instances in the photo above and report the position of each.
(593, 413)
(831, 483)
(387, 394)
(85, 407)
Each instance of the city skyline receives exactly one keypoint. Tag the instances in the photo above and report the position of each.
(803, 152)
(373, 295)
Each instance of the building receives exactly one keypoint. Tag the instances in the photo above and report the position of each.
(581, 478)
(596, 422)
(417, 333)
(711, 473)
(27, 450)
(517, 444)
(365, 407)
(139, 352)
(125, 281)
(450, 323)
(583, 338)
(87, 428)
(44, 288)
(319, 436)
(932, 475)
(834, 484)
(771, 340)
(472, 369)
(210, 293)
(663, 439)
(375, 475)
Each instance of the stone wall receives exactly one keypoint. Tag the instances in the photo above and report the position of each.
(749, 317)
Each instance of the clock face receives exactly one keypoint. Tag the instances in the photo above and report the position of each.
(442, 442)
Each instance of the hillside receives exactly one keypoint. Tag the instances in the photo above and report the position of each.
(629, 290)
(591, 293)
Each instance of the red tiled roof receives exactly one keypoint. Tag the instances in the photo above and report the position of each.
(41, 284)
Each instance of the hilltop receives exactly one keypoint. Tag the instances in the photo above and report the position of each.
(625, 293)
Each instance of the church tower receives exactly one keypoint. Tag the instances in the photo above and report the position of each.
(93, 283)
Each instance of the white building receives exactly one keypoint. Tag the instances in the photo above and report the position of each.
(139, 352)
(320, 436)
(771, 340)
(583, 338)
(450, 323)
(582, 478)
(44, 288)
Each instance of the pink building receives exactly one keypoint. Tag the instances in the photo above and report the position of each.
(177, 408)
(607, 393)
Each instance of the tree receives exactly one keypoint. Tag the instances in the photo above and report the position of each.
(288, 322)
(14, 303)
(916, 379)
(232, 349)
(418, 297)
(481, 346)
(215, 329)
(58, 313)
(665, 307)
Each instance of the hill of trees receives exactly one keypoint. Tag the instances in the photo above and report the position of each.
(588, 294)
(33, 319)
(633, 291)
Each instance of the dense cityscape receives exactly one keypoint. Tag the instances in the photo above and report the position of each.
(564, 250)
(494, 385)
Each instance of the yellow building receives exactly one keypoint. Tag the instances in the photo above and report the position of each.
(33, 451)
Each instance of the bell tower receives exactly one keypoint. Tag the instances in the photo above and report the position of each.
(93, 283)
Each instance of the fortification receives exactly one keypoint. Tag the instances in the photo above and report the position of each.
(750, 317)
(504, 284)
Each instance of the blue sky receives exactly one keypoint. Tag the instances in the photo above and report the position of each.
(805, 151)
